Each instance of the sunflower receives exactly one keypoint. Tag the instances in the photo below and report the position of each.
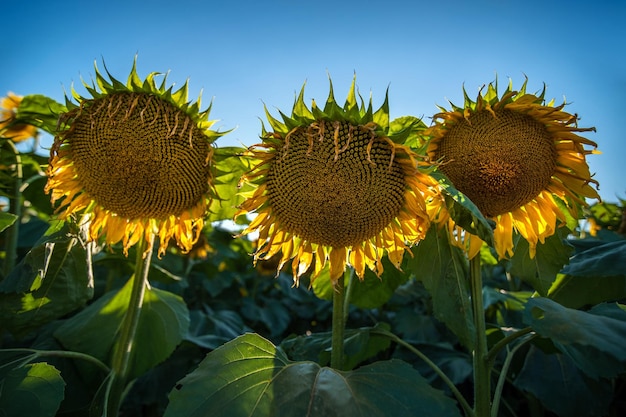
(335, 187)
(136, 159)
(9, 129)
(518, 158)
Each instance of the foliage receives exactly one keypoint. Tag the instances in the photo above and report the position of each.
(220, 336)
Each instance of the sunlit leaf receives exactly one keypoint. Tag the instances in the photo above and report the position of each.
(163, 324)
(250, 377)
(375, 291)
(443, 270)
(40, 111)
(541, 271)
(608, 215)
(463, 211)
(595, 342)
(229, 166)
(34, 390)
(406, 130)
(6, 220)
(561, 387)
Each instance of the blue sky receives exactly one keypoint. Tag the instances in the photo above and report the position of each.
(243, 54)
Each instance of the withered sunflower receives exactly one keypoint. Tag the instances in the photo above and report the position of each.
(518, 158)
(9, 129)
(136, 159)
(335, 186)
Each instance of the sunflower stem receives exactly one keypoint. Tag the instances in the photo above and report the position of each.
(15, 207)
(124, 348)
(482, 368)
(339, 294)
(349, 289)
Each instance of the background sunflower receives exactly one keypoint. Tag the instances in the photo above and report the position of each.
(518, 158)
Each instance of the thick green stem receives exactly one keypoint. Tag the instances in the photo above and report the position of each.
(15, 207)
(349, 289)
(336, 353)
(124, 348)
(482, 368)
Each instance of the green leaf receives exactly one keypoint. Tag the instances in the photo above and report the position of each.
(6, 220)
(463, 211)
(322, 286)
(561, 387)
(51, 281)
(34, 390)
(593, 276)
(250, 377)
(595, 342)
(36, 195)
(373, 291)
(541, 271)
(406, 130)
(163, 324)
(229, 168)
(359, 346)
(443, 270)
(579, 291)
(212, 329)
(603, 260)
(607, 215)
(40, 111)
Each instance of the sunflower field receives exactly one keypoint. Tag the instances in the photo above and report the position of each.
(346, 265)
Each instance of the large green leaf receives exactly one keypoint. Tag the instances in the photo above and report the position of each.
(443, 270)
(541, 271)
(594, 340)
(51, 281)
(163, 323)
(33, 390)
(593, 276)
(250, 377)
(561, 387)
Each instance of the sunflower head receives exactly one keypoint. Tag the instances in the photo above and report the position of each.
(335, 186)
(17, 132)
(136, 158)
(518, 158)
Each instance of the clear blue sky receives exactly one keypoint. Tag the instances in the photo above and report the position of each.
(245, 53)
